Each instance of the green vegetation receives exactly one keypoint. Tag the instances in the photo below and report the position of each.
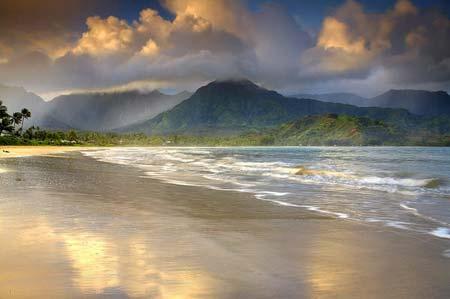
(36, 136)
(328, 129)
(332, 129)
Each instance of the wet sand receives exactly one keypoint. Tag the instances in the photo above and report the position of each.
(72, 227)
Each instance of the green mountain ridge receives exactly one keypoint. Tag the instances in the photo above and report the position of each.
(332, 129)
(235, 106)
(420, 102)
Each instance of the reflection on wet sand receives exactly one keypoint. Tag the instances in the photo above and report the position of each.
(95, 261)
(143, 275)
(31, 259)
(94, 264)
(93, 230)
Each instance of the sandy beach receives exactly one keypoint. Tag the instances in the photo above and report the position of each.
(73, 227)
(26, 151)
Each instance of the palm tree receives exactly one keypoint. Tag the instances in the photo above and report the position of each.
(3, 110)
(5, 124)
(25, 115)
(17, 118)
(5, 119)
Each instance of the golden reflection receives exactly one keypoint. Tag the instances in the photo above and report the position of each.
(31, 259)
(145, 274)
(43, 260)
(187, 284)
(94, 259)
(329, 270)
(140, 275)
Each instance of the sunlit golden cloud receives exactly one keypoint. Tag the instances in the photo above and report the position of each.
(105, 36)
(334, 34)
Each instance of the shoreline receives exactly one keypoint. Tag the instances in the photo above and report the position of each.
(15, 151)
(82, 228)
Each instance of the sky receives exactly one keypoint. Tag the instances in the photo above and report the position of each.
(366, 47)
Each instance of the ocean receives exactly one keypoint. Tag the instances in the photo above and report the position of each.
(406, 188)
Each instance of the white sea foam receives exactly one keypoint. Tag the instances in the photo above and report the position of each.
(441, 232)
(273, 179)
(395, 181)
(262, 196)
(317, 209)
(416, 213)
(397, 224)
(410, 209)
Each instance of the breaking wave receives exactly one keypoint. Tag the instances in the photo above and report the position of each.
(347, 186)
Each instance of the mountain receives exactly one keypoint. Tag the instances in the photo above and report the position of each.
(419, 102)
(338, 97)
(238, 105)
(333, 129)
(107, 111)
(17, 98)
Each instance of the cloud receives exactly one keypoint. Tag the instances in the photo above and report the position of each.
(206, 40)
(105, 36)
(411, 46)
(50, 26)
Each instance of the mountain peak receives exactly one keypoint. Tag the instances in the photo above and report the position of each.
(421, 102)
(237, 82)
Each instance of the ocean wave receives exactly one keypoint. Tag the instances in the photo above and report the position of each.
(415, 212)
(284, 182)
(441, 232)
(350, 179)
(262, 196)
(398, 224)
(396, 181)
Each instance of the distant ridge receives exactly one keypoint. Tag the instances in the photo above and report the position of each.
(16, 98)
(228, 106)
(105, 111)
(222, 106)
(420, 102)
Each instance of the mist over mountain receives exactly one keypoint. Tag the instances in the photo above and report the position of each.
(107, 111)
(16, 98)
(239, 105)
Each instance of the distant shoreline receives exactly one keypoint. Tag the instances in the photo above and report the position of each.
(7, 151)
(36, 150)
